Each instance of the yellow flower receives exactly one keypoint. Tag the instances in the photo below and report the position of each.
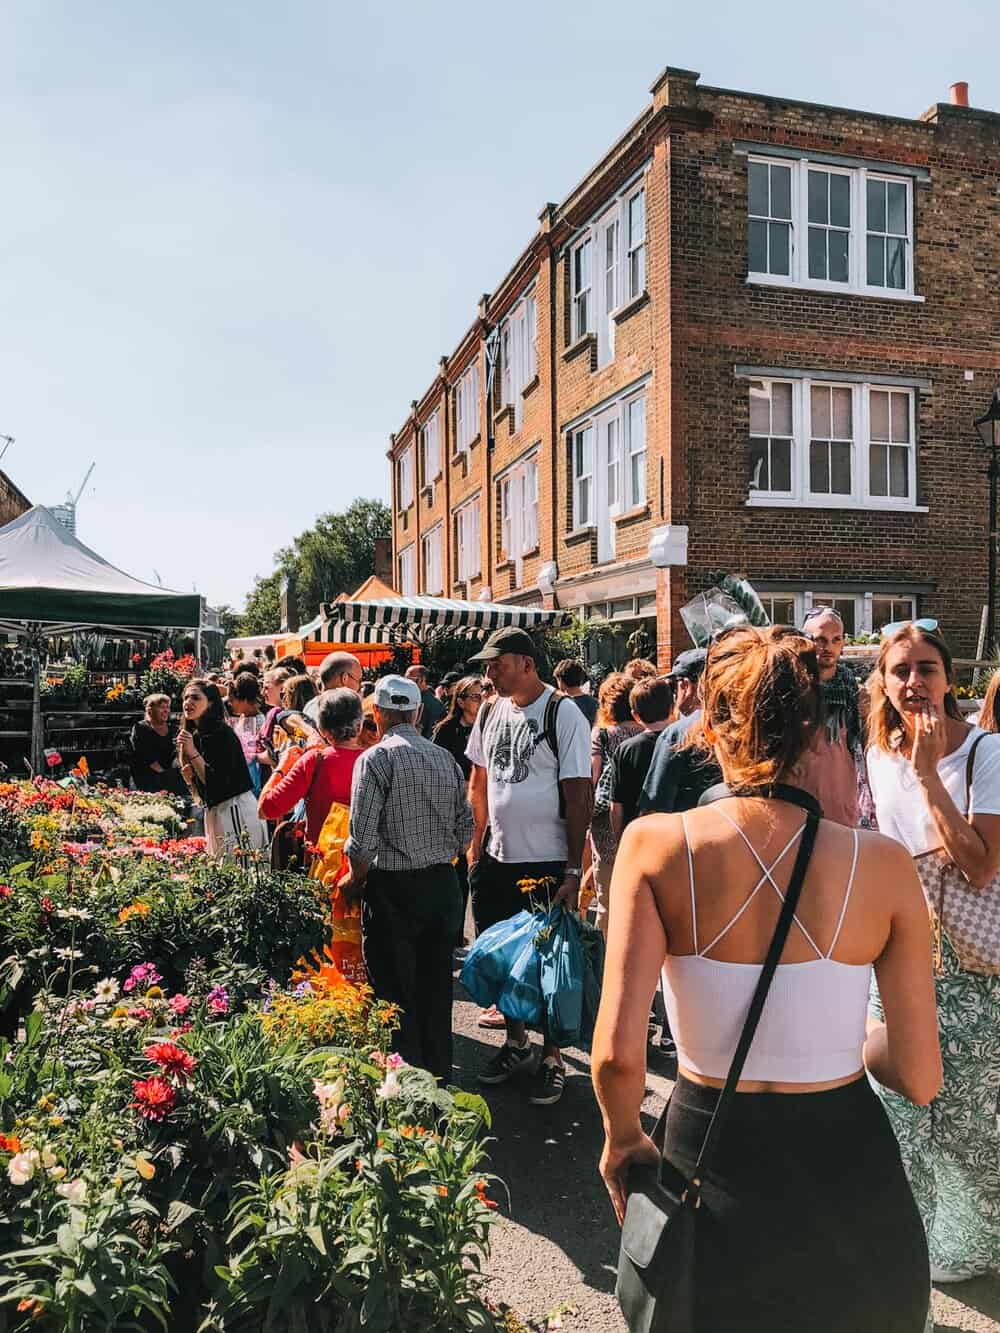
(144, 1166)
(154, 993)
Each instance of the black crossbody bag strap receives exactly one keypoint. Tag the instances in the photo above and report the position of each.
(778, 940)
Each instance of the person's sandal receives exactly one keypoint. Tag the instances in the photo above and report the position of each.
(491, 1018)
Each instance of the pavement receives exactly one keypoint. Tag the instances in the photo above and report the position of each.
(555, 1244)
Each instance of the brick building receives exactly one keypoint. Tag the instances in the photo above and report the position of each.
(754, 338)
(13, 502)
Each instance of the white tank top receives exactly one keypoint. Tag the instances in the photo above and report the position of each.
(812, 1029)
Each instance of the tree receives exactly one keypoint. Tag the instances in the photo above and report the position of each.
(332, 557)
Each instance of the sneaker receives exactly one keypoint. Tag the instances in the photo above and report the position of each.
(667, 1048)
(548, 1084)
(508, 1061)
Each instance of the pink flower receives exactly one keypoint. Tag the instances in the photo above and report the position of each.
(180, 1004)
(143, 974)
(217, 1000)
(394, 1061)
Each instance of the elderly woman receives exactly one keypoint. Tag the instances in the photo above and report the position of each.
(322, 775)
(152, 744)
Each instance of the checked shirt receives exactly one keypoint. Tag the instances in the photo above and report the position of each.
(409, 809)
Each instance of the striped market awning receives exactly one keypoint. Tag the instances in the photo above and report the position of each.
(397, 619)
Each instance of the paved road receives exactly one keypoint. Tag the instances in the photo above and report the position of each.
(555, 1248)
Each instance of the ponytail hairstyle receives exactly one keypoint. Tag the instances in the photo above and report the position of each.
(885, 726)
(762, 702)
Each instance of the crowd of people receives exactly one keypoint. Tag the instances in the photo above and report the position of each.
(861, 1158)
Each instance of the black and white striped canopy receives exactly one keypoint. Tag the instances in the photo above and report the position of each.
(393, 619)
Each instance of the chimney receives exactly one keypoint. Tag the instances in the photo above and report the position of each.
(959, 95)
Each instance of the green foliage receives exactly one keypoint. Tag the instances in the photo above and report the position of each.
(333, 556)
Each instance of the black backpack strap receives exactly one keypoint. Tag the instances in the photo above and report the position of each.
(550, 734)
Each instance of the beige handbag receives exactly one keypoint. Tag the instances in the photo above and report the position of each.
(970, 917)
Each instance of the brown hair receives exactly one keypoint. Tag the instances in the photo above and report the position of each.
(885, 726)
(639, 668)
(612, 699)
(297, 691)
(989, 717)
(652, 698)
(762, 702)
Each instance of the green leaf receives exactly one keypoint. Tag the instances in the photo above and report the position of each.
(86, 1285)
(20, 868)
(315, 1234)
(471, 1101)
(178, 1213)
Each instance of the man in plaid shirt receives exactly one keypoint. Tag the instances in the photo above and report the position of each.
(410, 821)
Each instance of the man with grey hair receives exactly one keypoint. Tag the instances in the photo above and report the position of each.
(338, 670)
(433, 709)
(833, 768)
(410, 821)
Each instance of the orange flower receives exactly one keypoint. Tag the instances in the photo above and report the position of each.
(442, 1191)
(10, 1143)
(133, 909)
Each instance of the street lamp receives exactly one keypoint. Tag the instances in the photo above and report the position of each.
(988, 427)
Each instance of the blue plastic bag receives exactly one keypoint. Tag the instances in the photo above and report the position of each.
(592, 942)
(562, 979)
(488, 963)
(521, 996)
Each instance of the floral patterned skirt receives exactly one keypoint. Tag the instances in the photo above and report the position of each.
(951, 1149)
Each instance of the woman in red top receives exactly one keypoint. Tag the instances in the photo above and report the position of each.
(322, 775)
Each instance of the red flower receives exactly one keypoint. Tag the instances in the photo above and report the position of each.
(154, 1098)
(136, 659)
(6, 891)
(47, 906)
(171, 1058)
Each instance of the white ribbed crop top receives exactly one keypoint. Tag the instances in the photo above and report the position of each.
(812, 1029)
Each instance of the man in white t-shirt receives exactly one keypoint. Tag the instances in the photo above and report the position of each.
(531, 788)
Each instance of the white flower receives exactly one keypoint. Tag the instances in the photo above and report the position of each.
(391, 1087)
(48, 1158)
(328, 1094)
(74, 1190)
(73, 914)
(68, 954)
(106, 991)
(22, 1166)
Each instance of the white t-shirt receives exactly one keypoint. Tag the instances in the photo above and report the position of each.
(522, 781)
(899, 803)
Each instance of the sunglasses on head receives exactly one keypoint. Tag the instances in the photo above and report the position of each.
(928, 624)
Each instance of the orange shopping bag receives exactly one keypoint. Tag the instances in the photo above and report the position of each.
(329, 866)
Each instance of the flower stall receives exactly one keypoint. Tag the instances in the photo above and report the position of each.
(52, 588)
(201, 1124)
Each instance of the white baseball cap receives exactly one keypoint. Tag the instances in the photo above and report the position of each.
(397, 693)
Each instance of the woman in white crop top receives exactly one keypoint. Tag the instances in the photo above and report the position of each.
(922, 753)
(810, 1221)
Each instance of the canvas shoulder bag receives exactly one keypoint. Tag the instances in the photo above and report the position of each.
(970, 917)
(656, 1263)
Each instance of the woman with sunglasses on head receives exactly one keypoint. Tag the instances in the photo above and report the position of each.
(936, 783)
(805, 1219)
(214, 766)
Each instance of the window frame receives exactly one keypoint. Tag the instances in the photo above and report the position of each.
(801, 496)
(407, 570)
(468, 543)
(467, 423)
(431, 559)
(580, 328)
(626, 500)
(589, 520)
(513, 490)
(864, 619)
(519, 353)
(429, 477)
(629, 453)
(632, 289)
(857, 283)
(404, 472)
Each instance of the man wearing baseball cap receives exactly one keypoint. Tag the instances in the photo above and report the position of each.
(531, 787)
(410, 821)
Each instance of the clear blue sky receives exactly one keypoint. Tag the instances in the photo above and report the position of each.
(236, 238)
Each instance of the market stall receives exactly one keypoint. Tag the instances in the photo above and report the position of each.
(418, 619)
(53, 587)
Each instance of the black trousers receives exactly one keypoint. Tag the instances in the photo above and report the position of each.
(410, 923)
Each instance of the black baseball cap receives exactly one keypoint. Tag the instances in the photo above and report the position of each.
(509, 640)
(689, 665)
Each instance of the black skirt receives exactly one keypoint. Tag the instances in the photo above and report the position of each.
(808, 1220)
